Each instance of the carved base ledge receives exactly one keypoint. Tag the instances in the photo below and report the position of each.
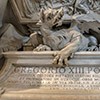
(46, 58)
(46, 95)
(32, 76)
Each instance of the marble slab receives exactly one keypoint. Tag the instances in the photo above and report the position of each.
(34, 74)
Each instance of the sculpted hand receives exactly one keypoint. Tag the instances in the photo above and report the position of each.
(42, 47)
(93, 48)
(61, 58)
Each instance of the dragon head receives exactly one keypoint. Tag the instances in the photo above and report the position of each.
(51, 17)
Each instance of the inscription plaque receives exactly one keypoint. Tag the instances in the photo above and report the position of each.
(81, 78)
(33, 73)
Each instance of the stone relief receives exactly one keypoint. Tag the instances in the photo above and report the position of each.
(68, 41)
(65, 26)
(19, 17)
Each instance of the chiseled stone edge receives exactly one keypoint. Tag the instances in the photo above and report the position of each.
(46, 58)
(48, 96)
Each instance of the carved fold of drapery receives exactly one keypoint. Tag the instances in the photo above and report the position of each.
(2, 90)
(3, 4)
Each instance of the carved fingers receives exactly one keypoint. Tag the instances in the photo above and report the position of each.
(8, 45)
(42, 48)
(93, 48)
(61, 59)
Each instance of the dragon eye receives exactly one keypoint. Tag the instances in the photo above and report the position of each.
(49, 18)
(50, 15)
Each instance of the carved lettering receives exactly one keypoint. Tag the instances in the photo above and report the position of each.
(55, 78)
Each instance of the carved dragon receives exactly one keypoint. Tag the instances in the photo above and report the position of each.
(67, 41)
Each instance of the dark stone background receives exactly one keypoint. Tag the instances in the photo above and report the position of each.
(2, 62)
